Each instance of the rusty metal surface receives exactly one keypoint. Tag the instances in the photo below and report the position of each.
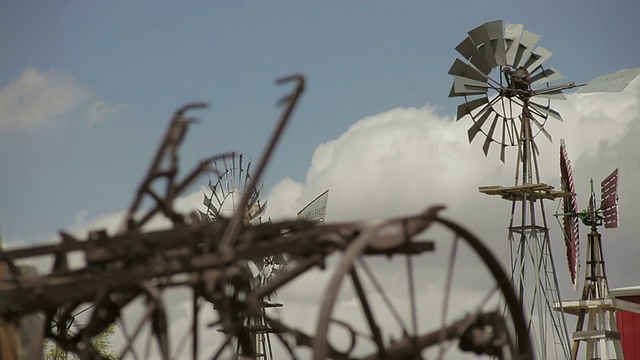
(139, 264)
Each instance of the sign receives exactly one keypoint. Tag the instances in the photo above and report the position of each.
(315, 210)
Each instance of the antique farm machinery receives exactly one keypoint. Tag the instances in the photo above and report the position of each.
(387, 274)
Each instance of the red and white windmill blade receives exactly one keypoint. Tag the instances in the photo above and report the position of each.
(570, 219)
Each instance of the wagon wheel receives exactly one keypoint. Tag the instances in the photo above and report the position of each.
(74, 326)
(417, 304)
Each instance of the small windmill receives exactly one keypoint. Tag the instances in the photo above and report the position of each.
(507, 94)
(226, 191)
(596, 306)
(232, 181)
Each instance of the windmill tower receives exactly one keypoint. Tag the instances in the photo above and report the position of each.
(600, 332)
(507, 94)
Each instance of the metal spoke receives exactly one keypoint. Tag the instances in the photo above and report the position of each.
(384, 296)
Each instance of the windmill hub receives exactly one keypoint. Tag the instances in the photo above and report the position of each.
(518, 82)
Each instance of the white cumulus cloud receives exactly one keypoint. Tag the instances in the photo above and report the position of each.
(37, 99)
(405, 159)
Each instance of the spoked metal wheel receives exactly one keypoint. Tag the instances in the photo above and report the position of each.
(412, 303)
(76, 328)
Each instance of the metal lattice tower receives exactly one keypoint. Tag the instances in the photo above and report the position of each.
(533, 271)
(508, 97)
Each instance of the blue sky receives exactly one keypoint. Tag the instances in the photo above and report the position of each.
(145, 59)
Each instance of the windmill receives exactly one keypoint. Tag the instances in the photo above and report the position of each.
(226, 191)
(596, 306)
(507, 94)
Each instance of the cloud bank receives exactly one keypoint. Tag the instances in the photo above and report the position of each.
(405, 159)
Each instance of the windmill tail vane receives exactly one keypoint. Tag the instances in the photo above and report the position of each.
(607, 213)
(609, 201)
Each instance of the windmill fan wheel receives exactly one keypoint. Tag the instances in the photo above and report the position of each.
(501, 79)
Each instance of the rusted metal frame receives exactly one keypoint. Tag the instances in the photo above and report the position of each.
(42, 250)
(161, 204)
(368, 236)
(373, 326)
(176, 237)
(514, 305)
(285, 277)
(107, 249)
(291, 100)
(56, 287)
(57, 291)
(100, 248)
(404, 348)
(171, 141)
(70, 343)
(303, 339)
(143, 320)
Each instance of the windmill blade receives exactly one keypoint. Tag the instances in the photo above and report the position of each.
(224, 162)
(547, 75)
(466, 86)
(255, 272)
(615, 82)
(489, 139)
(609, 203)
(512, 36)
(570, 219)
(241, 171)
(541, 128)
(469, 50)
(538, 56)
(259, 211)
(453, 93)
(494, 31)
(468, 107)
(233, 172)
(545, 110)
(481, 37)
(247, 175)
(208, 203)
(462, 69)
(528, 41)
(477, 126)
(255, 196)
